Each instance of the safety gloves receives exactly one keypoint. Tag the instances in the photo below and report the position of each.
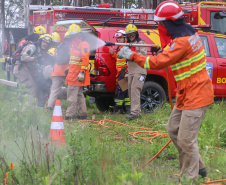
(125, 52)
(156, 50)
(81, 76)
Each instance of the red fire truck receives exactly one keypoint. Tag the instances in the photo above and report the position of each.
(207, 17)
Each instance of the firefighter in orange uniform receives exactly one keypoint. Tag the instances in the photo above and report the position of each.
(122, 102)
(187, 59)
(78, 74)
(58, 75)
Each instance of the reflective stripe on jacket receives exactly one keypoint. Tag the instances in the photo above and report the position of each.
(187, 59)
(79, 61)
(120, 63)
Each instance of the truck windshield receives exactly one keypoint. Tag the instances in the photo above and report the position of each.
(218, 21)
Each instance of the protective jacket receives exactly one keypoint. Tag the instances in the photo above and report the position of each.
(61, 59)
(28, 58)
(120, 63)
(133, 67)
(187, 59)
(79, 61)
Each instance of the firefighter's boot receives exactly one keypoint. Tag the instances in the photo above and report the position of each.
(118, 110)
(127, 109)
(203, 172)
(132, 116)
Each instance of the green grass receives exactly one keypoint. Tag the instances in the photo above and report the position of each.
(95, 154)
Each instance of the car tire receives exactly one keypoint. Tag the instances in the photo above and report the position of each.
(152, 97)
(103, 104)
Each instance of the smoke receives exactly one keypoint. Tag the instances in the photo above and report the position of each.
(93, 40)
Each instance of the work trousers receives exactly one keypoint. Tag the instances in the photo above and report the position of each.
(76, 101)
(183, 128)
(56, 90)
(24, 76)
(135, 85)
(121, 98)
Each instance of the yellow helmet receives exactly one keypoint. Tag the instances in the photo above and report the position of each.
(74, 29)
(55, 37)
(51, 51)
(130, 28)
(66, 35)
(46, 37)
(40, 30)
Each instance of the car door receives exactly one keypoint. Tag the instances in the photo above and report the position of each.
(219, 46)
(211, 65)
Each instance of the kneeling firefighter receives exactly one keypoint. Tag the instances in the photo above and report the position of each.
(78, 74)
(27, 68)
(187, 59)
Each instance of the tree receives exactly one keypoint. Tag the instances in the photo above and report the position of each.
(3, 22)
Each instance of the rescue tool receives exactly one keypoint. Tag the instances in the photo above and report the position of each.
(154, 48)
(108, 43)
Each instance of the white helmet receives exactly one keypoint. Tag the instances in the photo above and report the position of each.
(120, 33)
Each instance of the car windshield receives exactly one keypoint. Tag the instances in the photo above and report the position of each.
(218, 22)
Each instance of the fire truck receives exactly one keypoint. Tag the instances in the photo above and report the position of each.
(207, 17)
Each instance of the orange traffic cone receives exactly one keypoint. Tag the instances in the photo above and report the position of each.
(56, 133)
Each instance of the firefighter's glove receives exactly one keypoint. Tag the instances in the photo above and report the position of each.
(66, 71)
(125, 52)
(81, 76)
(156, 50)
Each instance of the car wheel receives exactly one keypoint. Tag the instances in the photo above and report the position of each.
(103, 103)
(152, 97)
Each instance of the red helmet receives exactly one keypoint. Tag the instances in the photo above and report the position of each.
(168, 10)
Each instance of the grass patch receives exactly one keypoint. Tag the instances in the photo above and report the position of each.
(95, 154)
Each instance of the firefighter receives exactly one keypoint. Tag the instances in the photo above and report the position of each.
(58, 75)
(78, 74)
(121, 97)
(27, 68)
(187, 59)
(37, 32)
(137, 74)
(55, 39)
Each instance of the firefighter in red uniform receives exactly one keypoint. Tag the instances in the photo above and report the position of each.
(78, 74)
(122, 102)
(187, 59)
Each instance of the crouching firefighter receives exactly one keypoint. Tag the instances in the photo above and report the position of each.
(78, 74)
(27, 68)
(121, 98)
(187, 59)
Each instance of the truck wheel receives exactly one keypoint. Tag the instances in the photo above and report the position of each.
(152, 97)
(103, 104)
